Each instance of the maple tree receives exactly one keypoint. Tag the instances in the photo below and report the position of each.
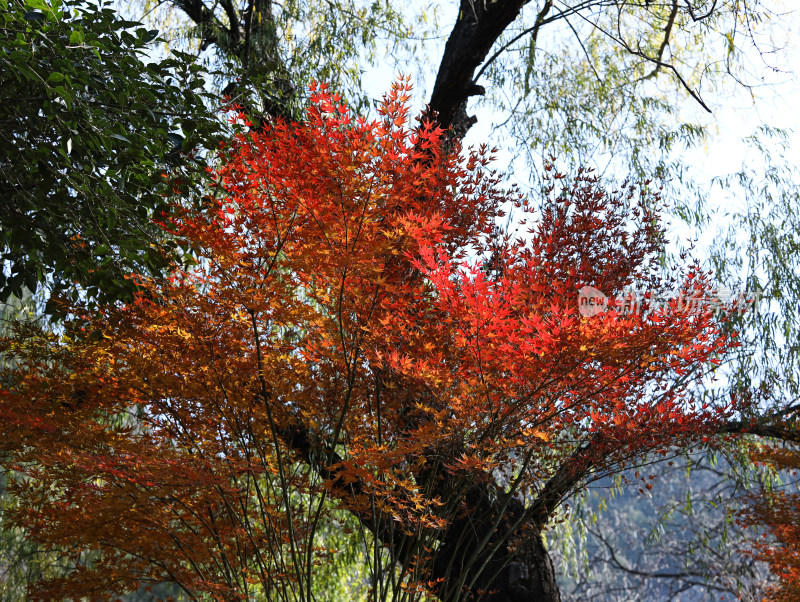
(598, 92)
(355, 336)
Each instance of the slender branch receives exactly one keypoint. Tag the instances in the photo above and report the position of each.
(562, 483)
(665, 42)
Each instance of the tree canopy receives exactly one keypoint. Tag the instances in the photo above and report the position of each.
(778, 509)
(399, 346)
(87, 126)
(354, 332)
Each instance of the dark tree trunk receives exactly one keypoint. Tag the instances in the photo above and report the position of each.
(493, 551)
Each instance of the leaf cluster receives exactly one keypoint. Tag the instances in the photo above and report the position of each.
(88, 123)
(354, 335)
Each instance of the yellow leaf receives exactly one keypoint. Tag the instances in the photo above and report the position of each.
(541, 435)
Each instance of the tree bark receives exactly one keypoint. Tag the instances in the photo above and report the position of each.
(494, 553)
(479, 25)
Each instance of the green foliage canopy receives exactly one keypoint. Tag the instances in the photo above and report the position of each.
(87, 126)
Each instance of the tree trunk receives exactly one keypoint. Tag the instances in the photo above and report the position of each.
(520, 576)
(493, 552)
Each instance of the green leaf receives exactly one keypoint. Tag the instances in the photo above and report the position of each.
(93, 142)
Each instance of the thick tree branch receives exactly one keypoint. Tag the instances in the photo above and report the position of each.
(233, 22)
(771, 430)
(477, 28)
(533, 31)
(206, 21)
(564, 481)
